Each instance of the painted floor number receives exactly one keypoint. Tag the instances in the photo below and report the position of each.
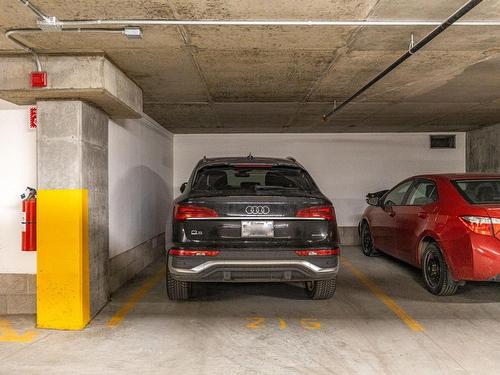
(257, 322)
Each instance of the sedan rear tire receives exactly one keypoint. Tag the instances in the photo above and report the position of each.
(437, 275)
(321, 289)
(177, 290)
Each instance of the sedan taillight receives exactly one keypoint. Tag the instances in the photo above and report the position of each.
(183, 212)
(496, 227)
(317, 212)
(482, 225)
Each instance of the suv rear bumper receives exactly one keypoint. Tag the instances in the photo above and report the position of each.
(255, 270)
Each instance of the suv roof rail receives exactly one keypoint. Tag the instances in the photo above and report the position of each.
(291, 158)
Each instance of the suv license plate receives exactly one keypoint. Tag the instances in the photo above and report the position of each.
(257, 229)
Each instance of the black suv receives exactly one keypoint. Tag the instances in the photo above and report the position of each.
(252, 219)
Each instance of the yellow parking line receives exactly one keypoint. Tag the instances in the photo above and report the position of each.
(135, 298)
(388, 301)
(283, 324)
(8, 334)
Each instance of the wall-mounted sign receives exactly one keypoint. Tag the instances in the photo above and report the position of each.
(32, 117)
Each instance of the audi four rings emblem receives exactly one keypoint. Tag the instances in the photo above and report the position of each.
(257, 210)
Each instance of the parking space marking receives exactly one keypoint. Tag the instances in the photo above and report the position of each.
(8, 334)
(135, 298)
(388, 301)
(310, 324)
(256, 322)
(283, 324)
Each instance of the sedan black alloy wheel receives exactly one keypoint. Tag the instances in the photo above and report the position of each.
(437, 276)
(367, 241)
(432, 269)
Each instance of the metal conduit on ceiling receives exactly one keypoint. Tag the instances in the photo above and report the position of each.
(50, 23)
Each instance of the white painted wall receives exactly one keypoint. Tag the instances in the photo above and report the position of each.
(17, 170)
(142, 170)
(345, 166)
(140, 182)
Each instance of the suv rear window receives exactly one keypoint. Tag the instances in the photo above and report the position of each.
(252, 179)
(479, 191)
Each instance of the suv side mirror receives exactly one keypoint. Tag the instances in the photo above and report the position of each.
(183, 187)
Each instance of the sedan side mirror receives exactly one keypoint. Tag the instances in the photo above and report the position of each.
(374, 201)
(183, 187)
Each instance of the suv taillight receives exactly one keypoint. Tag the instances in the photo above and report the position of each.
(188, 211)
(318, 252)
(317, 212)
(193, 253)
(482, 225)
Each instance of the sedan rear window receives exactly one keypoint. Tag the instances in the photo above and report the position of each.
(479, 191)
(246, 179)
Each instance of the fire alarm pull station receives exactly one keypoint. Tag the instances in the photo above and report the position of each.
(38, 79)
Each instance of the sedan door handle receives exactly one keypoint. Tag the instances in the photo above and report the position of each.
(423, 215)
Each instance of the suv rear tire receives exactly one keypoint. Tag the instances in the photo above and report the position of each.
(321, 289)
(437, 275)
(177, 290)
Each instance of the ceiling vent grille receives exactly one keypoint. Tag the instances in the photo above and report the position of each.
(443, 141)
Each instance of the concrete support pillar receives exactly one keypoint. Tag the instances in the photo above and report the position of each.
(483, 150)
(73, 213)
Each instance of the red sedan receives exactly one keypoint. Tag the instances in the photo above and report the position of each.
(446, 225)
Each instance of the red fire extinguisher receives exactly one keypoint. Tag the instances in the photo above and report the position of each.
(29, 220)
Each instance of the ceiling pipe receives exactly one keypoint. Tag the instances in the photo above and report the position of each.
(48, 23)
(44, 19)
(208, 22)
(35, 10)
(466, 8)
(10, 35)
(120, 30)
(52, 23)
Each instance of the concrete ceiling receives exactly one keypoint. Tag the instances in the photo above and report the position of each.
(206, 79)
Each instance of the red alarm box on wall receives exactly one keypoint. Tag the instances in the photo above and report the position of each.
(38, 79)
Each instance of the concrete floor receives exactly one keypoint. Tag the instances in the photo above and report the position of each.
(274, 329)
